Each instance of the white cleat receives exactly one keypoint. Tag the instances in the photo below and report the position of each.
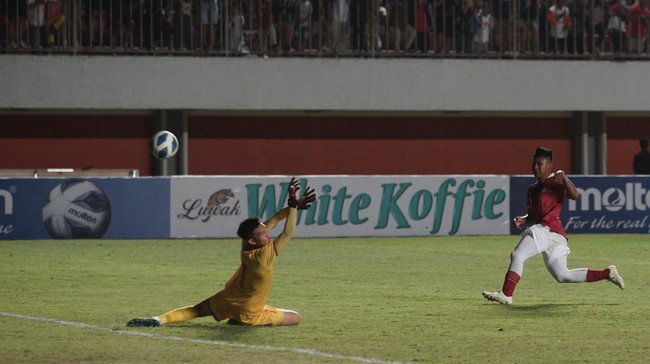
(615, 278)
(498, 297)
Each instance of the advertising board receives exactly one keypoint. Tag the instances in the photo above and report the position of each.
(346, 205)
(607, 204)
(84, 208)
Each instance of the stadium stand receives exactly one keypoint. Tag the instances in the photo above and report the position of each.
(581, 29)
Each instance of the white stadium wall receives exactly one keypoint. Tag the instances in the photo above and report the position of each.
(321, 84)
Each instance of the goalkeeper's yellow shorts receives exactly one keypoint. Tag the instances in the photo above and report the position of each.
(221, 310)
(270, 316)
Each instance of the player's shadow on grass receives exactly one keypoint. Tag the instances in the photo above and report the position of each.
(222, 331)
(552, 308)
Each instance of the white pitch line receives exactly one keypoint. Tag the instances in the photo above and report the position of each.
(310, 352)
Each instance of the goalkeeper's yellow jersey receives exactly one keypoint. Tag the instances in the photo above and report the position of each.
(245, 294)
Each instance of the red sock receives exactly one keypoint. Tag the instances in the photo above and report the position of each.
(597, 275)
(510, 283)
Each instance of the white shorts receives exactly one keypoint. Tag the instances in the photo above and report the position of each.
(551, 245)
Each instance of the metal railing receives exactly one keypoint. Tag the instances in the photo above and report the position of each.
(566, 29)
(68, 172)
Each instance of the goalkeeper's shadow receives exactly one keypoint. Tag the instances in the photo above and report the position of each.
(222, 331)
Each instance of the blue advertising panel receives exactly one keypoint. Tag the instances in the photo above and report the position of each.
(607, 204)
(46, 208)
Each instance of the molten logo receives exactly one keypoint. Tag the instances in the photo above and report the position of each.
(82, 215)
(633, 197)
(8, 201)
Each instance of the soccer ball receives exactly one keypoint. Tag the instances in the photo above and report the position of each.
(76, 209)
(164, 145)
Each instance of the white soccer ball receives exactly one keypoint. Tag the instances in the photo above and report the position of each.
(164, 145)
(77, 209)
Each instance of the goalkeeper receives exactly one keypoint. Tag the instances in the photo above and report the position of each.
(243, 299)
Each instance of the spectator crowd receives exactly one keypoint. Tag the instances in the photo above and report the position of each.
(329, 27)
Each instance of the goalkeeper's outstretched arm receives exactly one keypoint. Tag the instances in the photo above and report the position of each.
(295, 204)
(289, 228)
(275, 219)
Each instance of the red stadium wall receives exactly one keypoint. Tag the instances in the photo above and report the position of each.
(373, 145)
(237, 145)
(623, 134)
(75, 141)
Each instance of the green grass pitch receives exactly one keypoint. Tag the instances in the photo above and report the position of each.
(370, 300)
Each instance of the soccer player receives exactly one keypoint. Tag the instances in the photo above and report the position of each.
(243, 299)
(545, 233)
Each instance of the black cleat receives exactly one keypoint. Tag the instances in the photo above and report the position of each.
(143, 322)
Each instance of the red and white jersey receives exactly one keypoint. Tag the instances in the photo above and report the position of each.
(545, 203)
(559, 20)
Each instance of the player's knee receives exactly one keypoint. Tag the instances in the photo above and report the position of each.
(517, 259)
(562, 277)
(290, 318)
(203, 308)
(297, 319)
(513, 256)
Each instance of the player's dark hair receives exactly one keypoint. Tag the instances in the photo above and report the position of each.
(643, 143)
(247, 226)
(543, 152)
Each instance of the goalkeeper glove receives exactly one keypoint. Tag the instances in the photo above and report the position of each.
(305, 201)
